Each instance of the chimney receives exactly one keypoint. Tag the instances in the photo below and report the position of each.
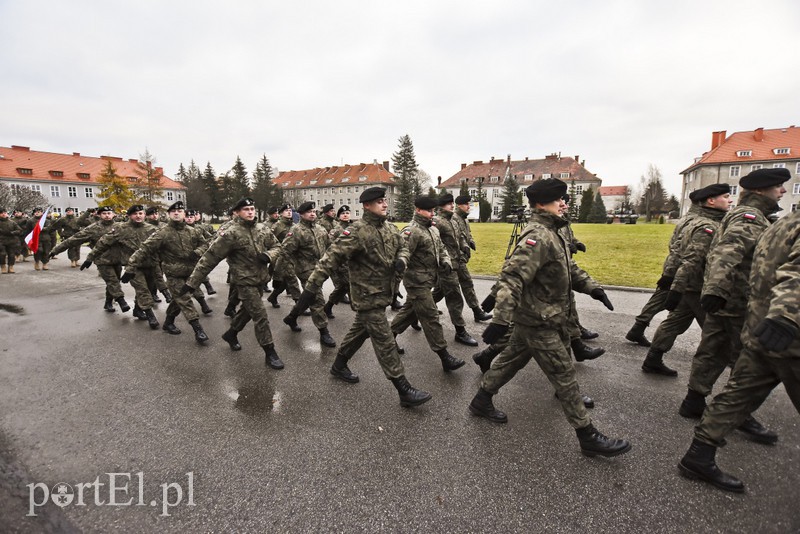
(18, 147)
(463, 166)
(759, 134)
(491, 160)
(577, 158)
(439, 181)
(477, 162)
(386, 165)
(76, 153)
(717, 138)
(509, 159)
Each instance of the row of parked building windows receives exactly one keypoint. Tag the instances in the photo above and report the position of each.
(72, 191)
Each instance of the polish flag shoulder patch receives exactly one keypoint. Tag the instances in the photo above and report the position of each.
(531, 242)
(289, 234)
(346, 232)
(708, 230)
(407, 231)
(750, 216)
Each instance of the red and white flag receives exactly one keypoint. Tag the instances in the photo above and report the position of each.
(32, 239)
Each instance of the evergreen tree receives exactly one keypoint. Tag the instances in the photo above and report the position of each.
(150, 178)
(240, 182)
(586, 205)
(464, 189)
(265, 192)
(598, 212)
(511, 197)
(485, 209)
(197, 196)
(432, 191)
(114, 190)
(404, 165)
(212, 189)
(573, 203)
(182, 175)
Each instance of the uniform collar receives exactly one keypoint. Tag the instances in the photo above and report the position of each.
(422, 221)
(373, 219)
(767, 206)
(548, 219)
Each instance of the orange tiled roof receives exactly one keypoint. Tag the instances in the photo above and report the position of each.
(760, 142)
(553, 165)
(613, 190)
(363, 173)
(52, 167)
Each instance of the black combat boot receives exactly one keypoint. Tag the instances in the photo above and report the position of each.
(698, 463)
(291, 321)
(484, 358)
(693, 405)
(230, 336)
(593, 443)
(653, 364)
(273, 298)
(582, 351)
(169, 325)
(409, 396)
(151, 318)
(482, 406)
(199, 334)
(345, 298)
(463, 337)
(449, 363)
(480, 315)
(209, 288)
(415, 324)
(756, 431)
(156, 299)
(587, 334)
(109, 305)
(396, 303)
(340, 370)
(203, 305)
(123, 306)
(588, 402)
(329, 310)
(325, 338)
(230, 310)
(636, 334)
(138, 312)
(167, 296)
(271, 357)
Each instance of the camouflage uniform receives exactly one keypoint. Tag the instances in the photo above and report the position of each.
(534, 294)
(9, 242)
(240, 242)
(449, 286)
(327, 222)
(158, 281)
(47, 238)
(775, 295)
(461, 225)
(86, 219)
(427, 257)
(67, 226)
(370, 246)
(22, 222)
(109, 274)
(283, 280)
(305, 243)
(341, 278)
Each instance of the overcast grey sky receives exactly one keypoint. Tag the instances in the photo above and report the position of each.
(621, 83)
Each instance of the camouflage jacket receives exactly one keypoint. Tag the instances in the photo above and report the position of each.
(48, 233)
(86, 219)
(67, 226)
(536, 282)
(695, 242)
(426, 254)
(9, 232)
(453, 241)
(462, 224)
(281, 227)
(208, 236)
(673, 259)
(119, 243)
(305, 243)
(176, 244)
(338, 228)
(91, 234)
(327, 222)
(240, 242)
(728, 264)
(775, 281)
(370, 248)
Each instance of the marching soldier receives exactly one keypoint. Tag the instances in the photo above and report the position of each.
(272, 217)
(283, 280)
(22, 222)
(427, 257)
(9, 242)
(157, 282)
(467, 244)
(374, 251)
(46, 239)
(341, 278)
(328, 219)
(533, 295)
(192, 218)
(88, 218)
(67, 226)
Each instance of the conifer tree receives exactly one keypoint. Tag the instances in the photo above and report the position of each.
(404, 165)
(586, 205)
(265, 192)
(598, 212)
(240, 182)
(213, 190)
(511, 197)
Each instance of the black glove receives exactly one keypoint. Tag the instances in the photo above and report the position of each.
(127, 276)
(304, 302)
(488, 303)
(665, 282)
(712, 303)
(494, 332)
(86, 264)
(185, 288)
(399, 266)
(263, 258)
(580, 246)
(465, 251)
(776, 334)
(52, 255)
(271, 268)
(447, 268)
(600, 294)
(472, 245)
(672, 301)
(573, 249)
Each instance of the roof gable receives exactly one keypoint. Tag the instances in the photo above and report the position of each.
(751, 146)
(554, 165)
(363, 173)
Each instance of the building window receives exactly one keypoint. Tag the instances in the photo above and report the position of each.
(362, 178)
(794, 207)
(778, 165)
(89, 192)
(57, 174)
(546, 175)
(83, 175)
(55, 191)
(781, 151)
(578, 190)
(313, 182)
(358, 213)
(328, 180)
(734, 190)
(346, 179)
(755, 167)
(17, 188)
(170, 196)
(744, 153)
(797, 169)
(348, 188)
(494, 179)
(735, 171)
(24, 171)
(495, 210)
(348, 202)
(56, 210)
(528, 177)
(564, 175)
(36, 188)
(796, 189)
(355, 189)
(72, 191)
(298, 182)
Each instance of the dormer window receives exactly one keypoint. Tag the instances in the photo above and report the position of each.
(346, 179)
(299, 182)
(83, 175)
(362, 178)
(313, 182)
(781, 151)
(494, 179)
(24, 171)
(133, 179)
(528, 177)
(744, 153)
(564, 175)
(328, 180)
(546, 175)
(57, 174)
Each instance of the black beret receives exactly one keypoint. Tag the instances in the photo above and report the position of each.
(426, 202)
(326, 208)
(372, 193)
(285, 207)
(68, 209)
(713, 190)
(176, 206)
(191, 213)
(243, 203)
(136, 207)
(3, 210)
(38, 209)
(447, 198)
(544, 191)
(102, 209)
(693, 196)
(92, 210)
(566, 198)
(305, 206)
(152, 210)
(272, 209)
(765, 178)
(463, 199)
(344, 208)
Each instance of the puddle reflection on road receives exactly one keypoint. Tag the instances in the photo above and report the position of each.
(253, 398)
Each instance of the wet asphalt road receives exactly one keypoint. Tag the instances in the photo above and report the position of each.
(84, 393)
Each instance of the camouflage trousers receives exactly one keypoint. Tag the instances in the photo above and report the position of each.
(373, 324)
(43, 253)
(420, 305)
(449, 289)
(679, 321)
(286, 281)
(317, 307)
(550, 348)
(8, 253)
(180, 303)
(720, 345)
(341, 285)
(753, 378)
(252, 308)
(110, 275)
(140, 284)
(573, 326)
(653, 307)
(467, 287)
(74, 253)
